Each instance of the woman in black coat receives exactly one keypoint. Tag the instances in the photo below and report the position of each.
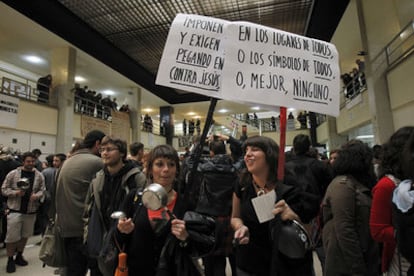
(156, 243)
(259, 244)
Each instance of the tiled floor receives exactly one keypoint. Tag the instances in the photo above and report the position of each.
(35, 265)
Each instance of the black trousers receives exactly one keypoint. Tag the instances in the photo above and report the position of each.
(78, 261)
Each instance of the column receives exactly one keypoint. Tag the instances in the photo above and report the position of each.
(379, 23)
(136, 115)
(63, 69)
(335, 140)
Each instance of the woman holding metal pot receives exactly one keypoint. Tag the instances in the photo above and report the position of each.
(160, 242)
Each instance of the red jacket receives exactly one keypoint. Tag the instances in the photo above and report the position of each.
(380, 222)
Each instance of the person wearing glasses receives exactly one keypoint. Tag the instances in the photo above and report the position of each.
(106, 192)
(73, 181)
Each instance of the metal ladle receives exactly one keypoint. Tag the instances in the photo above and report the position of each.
(118, 215)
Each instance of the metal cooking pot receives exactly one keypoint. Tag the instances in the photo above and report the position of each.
(154, 197)
(23, 183)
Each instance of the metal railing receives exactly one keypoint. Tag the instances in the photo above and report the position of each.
(401, 45)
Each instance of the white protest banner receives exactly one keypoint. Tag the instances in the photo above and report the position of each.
(193, 56)
(272, 67)
(9, 107)
(250, 63)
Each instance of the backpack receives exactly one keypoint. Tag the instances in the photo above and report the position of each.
(298, 173)
(216, 190)
(52, 250)
(189, 183)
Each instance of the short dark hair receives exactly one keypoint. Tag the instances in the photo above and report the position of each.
(301, 144)
(135, 147)
(37, 152)
(120, 144)
(49, 160)
(217, 147)
(61, 156)
(162, 151)
(28, 154)
(91, 138)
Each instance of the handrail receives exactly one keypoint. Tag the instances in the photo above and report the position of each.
(402, 37)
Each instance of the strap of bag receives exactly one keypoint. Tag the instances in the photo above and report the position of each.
(137, 200)
(121, 250)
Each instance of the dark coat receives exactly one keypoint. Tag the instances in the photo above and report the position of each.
(218, 180)
(348, 245)
(261, 256)
(311, 177)
(144, 246)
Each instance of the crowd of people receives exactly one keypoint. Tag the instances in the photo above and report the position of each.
(92, 103)
(354, 82)
(225, 200)
(191, 127)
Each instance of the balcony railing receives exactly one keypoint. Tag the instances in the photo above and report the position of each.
(401, 45)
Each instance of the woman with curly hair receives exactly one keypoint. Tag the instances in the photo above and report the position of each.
(348, 245)
(381, 222)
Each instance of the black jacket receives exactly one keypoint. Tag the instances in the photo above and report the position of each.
(216, 187)
(311, 177)
(159, 253)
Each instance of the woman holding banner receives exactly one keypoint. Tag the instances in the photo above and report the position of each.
(260, 242)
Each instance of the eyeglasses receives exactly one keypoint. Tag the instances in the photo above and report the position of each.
(101, 150)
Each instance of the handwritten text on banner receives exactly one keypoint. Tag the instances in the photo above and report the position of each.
(250, 63)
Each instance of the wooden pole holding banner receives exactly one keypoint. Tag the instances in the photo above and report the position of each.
(282, 143)
(207, 124)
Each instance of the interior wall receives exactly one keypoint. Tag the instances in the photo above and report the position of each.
(23, 141)
(356, 113)
(401, 86)
(33, 117)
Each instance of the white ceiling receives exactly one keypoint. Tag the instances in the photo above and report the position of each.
(21, 36)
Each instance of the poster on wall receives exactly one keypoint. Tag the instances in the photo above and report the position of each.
(89, 123)
(250, 63)
(9, 108)
(120, 126)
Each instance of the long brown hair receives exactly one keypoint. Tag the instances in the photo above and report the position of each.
(271, 151)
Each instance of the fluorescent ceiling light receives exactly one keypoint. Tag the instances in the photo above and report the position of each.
(34, 59)
(255, 108)
(79, 79)
(191, 113)
(108, 92)
(364, 137)
(222, 110)
(148, 110)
